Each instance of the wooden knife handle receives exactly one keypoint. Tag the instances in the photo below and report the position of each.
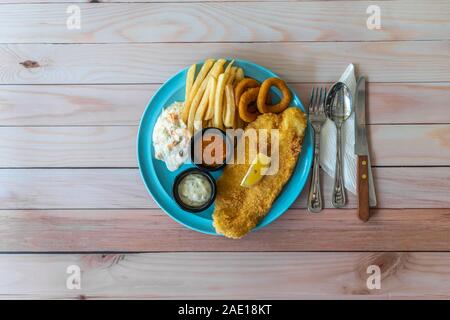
(362, 185)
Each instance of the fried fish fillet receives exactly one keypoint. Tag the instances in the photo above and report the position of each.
(238, 209)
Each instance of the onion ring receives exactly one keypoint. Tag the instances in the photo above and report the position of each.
(242, 86)
(253, 108)
(247, 98)
(263, 107)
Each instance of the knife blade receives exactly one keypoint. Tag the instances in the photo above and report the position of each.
(361, 146)
(364, 180)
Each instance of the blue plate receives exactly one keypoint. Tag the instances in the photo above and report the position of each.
(158, 179)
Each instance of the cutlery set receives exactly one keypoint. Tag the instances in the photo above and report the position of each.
(337, 105)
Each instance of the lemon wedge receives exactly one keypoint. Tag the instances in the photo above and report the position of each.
(256, 171)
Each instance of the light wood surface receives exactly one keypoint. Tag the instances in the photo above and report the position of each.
(269, 275)
(70, 105)
(398, 61)
(225, 22)
(100, 2)
(68, 146)
(152, 230)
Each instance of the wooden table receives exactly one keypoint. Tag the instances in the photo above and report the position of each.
(70, 104)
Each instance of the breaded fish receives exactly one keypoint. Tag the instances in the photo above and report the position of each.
(239, 209)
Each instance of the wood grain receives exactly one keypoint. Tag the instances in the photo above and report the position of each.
(362, 187)
(225, 22)
(412, 61)
(152, 231)
(112, 146)
(62, 105)
(100, 2)
(73, 188)
(404, 145)
(68, 147)
(408, 187)
(240, 276)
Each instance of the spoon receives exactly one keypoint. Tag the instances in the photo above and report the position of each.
(339, 108)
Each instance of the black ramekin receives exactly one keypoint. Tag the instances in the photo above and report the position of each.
(177, 198)
(229, 149)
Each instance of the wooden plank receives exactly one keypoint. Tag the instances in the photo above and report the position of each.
(106, 146)
(207, 22)
(73, 188)
(407, 187)
(60, 105)
(68, 146)
(99, 2)
(405, 145)
(426, 187)
(413, 61)
(296, 230)
(228, 275)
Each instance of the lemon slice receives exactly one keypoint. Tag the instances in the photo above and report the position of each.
(256, 171)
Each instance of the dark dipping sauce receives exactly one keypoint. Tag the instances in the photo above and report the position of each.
(209, 149)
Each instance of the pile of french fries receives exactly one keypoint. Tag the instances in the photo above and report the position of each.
(209, 100)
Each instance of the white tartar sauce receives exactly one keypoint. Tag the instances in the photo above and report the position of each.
(194, 190)
(171, 138)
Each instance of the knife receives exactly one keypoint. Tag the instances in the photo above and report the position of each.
(362, 151)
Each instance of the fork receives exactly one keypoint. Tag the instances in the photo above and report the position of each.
(317, 117)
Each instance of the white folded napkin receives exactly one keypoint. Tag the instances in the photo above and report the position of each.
(328, 144)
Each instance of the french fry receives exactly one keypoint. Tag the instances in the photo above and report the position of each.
(232, 75)
(202, 107)
(230, 109)
(195, 87)
(207, 65)
(190, 75)
(239, 75)
(218, 101)
(194, 105)
(224, 107)
(210, 112)
(228, 74)
(217, 68)
(214, 72)
(228, 68)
